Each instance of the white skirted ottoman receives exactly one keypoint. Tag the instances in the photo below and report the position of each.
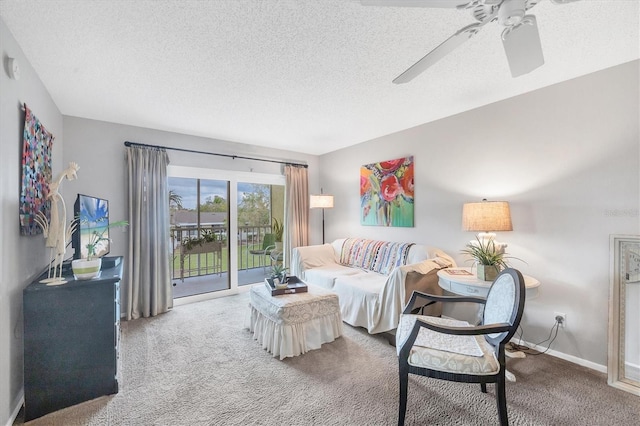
(293, 324)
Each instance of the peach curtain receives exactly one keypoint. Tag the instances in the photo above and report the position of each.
(296, 209)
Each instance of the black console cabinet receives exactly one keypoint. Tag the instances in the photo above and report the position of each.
(71, 340)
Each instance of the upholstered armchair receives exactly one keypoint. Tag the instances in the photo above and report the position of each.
(453, 350)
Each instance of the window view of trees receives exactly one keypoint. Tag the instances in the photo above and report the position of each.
(214, 204)
(254, 205)
(254, 200)
(175, 200)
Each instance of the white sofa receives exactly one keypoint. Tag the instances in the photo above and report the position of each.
(373, 279)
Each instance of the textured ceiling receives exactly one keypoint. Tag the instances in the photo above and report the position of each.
(305, 75)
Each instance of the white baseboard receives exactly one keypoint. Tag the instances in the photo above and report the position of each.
(574, 359)
(632, 371)
(17, 405)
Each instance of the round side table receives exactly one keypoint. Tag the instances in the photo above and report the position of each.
(464, 282)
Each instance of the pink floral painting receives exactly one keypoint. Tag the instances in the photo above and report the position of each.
(386, 193)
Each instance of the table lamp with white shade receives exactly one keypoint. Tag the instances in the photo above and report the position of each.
(487, 218)
(321, 201)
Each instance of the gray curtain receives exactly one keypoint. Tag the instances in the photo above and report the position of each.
(149, 290)
(296, 208)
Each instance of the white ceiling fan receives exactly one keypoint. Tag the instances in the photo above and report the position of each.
(520, 36)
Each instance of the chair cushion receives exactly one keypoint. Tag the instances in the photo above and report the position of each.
(450, 360)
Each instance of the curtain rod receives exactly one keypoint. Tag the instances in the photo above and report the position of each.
(287, 163)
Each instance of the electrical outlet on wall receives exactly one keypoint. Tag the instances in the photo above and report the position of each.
(561, 319)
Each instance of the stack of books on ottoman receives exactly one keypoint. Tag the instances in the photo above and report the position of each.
(293, 285)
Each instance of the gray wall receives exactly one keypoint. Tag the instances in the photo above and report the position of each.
(22, 258)
(566, 157)
(99, 150)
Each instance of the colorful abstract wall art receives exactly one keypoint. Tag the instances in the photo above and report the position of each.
(386, 193)
(36, 173)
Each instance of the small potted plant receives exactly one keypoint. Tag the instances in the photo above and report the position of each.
(279, 275)
(489, 259)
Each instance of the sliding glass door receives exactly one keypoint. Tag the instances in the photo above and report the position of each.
(222, 225)
(199, 217)
(260, 207)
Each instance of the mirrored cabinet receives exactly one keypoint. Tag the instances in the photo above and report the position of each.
(624, 314)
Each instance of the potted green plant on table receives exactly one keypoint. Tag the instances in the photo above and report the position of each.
(279, 275)
(489, 259)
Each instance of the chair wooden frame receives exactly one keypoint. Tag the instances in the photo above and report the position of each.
(506, 330)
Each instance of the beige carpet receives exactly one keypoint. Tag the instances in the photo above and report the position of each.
(197, 365)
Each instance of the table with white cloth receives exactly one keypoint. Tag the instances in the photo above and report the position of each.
(293, 324)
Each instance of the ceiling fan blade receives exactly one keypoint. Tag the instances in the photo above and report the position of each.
(418, 3)
(522, 46)
(438, 53)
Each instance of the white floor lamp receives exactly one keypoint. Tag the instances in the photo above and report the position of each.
(321, 201)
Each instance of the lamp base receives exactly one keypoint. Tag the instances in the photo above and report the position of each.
(487, 237)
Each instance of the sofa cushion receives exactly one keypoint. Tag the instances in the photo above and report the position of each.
(316, 256)
(325, 276)
(359, 297)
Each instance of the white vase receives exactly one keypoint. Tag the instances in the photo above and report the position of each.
(84, 269)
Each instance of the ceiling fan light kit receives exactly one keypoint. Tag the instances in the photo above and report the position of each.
(511, 12)
(522, 47)
(520, 37)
